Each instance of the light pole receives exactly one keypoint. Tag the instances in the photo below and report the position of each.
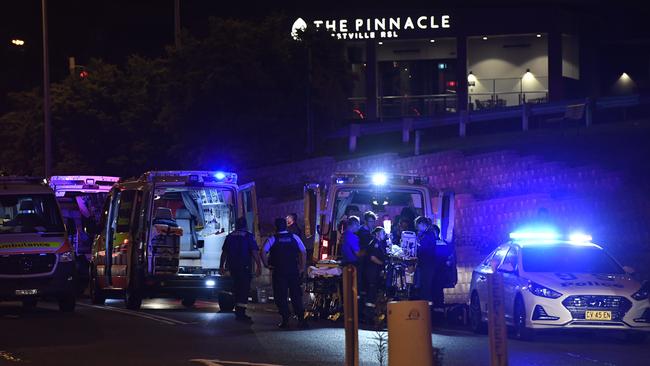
(47, 117)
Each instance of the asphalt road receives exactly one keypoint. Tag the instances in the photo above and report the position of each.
(165, 333)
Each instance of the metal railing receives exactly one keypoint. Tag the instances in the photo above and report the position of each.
(395, 106)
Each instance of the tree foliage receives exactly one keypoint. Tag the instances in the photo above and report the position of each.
(237, 96)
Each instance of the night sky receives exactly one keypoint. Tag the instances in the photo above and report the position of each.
(112, 30)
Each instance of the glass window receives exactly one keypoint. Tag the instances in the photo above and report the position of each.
(29, 213)
(568, 258)
(511, 258)
(124, 210)
(387, 205)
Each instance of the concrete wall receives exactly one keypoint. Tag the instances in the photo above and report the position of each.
(570, 56)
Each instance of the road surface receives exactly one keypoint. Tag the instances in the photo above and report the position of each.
(165, 333)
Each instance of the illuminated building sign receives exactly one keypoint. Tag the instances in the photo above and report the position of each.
(369, 28)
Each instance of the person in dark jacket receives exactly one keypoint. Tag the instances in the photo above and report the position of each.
(294, 228)
(285, 255)
(426, 258)
(238, 252)
(372, 270)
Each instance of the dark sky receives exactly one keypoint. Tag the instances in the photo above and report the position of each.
(114, 29)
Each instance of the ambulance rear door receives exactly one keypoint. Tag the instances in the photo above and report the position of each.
(445, 221)
(313, 218)
(247, 207)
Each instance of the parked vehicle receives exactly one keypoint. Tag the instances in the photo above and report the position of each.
(162, 234)
(36, 259)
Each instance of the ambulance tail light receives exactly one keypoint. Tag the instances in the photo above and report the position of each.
(323, 256)
(326, 243)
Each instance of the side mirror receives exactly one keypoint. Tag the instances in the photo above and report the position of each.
(200, 243)
(507, 268)
(629, 270)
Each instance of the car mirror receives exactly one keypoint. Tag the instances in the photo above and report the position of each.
(507, 268)
(629, 270)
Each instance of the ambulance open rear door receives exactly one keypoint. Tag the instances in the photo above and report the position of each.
(247, 207)
(445, 221)
(313, 220)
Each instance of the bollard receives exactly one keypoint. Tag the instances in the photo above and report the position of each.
(409, 334)
(351, 316)
(497, 331)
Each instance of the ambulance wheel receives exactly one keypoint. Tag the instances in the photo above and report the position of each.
(226, 302)
(521, 331)
(188, 302)
(133, 300)
(96, 295)
(475, 316)
(67, 303)
(29, 304)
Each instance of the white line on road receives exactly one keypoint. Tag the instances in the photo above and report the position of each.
(158, 318)
(575, 355)
(225, 363)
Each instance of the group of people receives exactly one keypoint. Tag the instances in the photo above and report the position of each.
(364, 245)
(284, 253)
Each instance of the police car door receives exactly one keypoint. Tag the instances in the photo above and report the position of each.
(247, 207)
(313, 225)
(509, 271)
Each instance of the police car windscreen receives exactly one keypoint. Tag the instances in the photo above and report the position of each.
(29, 214)
(568, 258)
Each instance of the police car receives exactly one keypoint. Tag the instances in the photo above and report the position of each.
(36, 259)
(555, 283)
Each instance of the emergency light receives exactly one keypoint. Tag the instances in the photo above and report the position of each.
(534, 235)
(580, 238)
(220, 175)
(379, 179)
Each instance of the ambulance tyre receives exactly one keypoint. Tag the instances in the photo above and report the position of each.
(475, 317)
(188, 302)
(29, 304)
(67, 303)
(226, 302)
(96, 295)
(133, 299)
(521, 331)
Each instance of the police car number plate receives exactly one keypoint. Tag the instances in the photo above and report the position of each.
(598, 315)
(26, 292)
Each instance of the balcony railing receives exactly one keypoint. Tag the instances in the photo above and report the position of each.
(405, 106)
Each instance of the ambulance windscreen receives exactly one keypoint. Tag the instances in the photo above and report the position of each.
(33, 213)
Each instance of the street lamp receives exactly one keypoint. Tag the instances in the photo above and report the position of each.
(18, 42)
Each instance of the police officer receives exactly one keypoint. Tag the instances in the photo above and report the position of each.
(443, 268)
(426, 258)
(284, 253)
(239, 250)
(293, 228)
(365, 237)
(372, 270)
(350, 244)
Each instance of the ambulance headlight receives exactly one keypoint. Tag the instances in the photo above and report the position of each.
(210, 283)
(542, 291)
(643, 293)
(379, 179)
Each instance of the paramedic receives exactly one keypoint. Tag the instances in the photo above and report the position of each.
(285, 255)
(426, 258)
(239, 250)
(372, 270)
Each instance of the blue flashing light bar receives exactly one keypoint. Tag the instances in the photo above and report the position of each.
(379, 179)
(220, 175)
(580, 238)
(193, 176)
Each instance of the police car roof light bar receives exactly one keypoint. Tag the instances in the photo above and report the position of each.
(534, 235)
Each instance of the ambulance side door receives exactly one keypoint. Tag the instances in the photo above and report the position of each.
(313, 218)
(247, 207)
(445, 221)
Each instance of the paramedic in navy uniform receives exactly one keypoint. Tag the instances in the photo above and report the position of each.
(285, 254)
(237, 256)
(427, 239)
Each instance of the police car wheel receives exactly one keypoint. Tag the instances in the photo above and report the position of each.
(67, 303)
(475, 317)
(29, 304)
(521, 332)
(188, 302)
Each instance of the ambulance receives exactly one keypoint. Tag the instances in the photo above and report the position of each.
(390, 196)
(162, 235)
(36, 259)
(81, 198)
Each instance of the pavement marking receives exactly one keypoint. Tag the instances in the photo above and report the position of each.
(4, 355)
(158, 318)
(225, 363)
(575, 355)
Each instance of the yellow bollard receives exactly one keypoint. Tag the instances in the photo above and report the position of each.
(351, 316)
(409, 334)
